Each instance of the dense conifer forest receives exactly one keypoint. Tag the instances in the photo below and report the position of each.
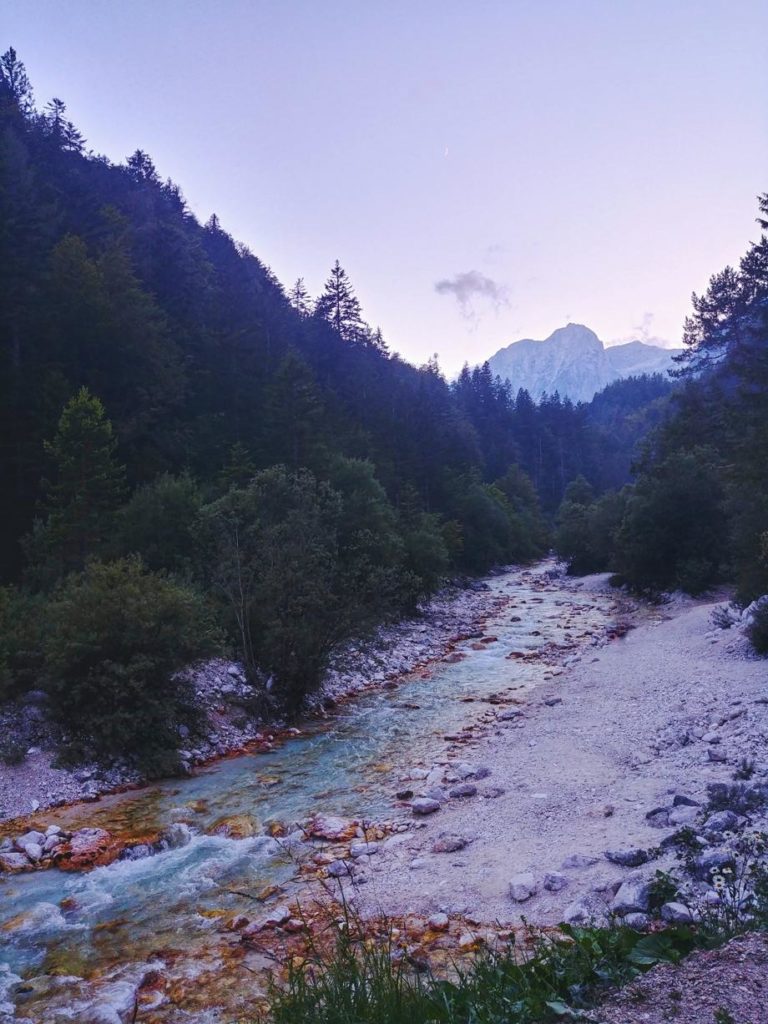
(195, 458)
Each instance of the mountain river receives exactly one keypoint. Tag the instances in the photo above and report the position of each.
(67, 939)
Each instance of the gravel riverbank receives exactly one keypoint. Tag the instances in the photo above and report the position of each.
(612, 756)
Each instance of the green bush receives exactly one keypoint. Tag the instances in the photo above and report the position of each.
(758, 629)
(117, 640)
(587, 527)
(21, 631)
(158, 524)
(13, 751)
(674, 532)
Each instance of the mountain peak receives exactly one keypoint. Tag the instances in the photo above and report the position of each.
(575, 362)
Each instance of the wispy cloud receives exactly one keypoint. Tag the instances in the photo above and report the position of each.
(644, 332)
(471, 289)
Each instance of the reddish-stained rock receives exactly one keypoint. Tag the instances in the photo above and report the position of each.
(331, 827)
(88, 848)
(235, 826)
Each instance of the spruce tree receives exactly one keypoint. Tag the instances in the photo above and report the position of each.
(86, 490)
(299, 298)
(340, 307)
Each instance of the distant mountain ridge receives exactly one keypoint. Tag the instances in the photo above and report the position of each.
(574, 362)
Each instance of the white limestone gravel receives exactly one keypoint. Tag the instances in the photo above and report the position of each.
(579, 776)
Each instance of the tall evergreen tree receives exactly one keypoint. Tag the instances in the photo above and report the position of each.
(299, 298)
(339, 305)
(84, 494)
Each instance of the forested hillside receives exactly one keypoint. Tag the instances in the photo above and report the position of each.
(698, 512)
(184, 434)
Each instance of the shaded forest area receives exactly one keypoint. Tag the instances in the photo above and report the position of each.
(194, 458)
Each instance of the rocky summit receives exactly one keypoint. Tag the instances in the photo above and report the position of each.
(574, 362)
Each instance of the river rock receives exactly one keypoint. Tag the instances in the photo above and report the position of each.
(582, 911)
(634, 895)
(38, 838)
(578, 860)
(439, 922)
(522, 887)
(632, 858)
(339, 869)
(509, 715)
(33, 850)
(448, 843)
(462, 791)
(554, 881)
(713, 860)
(236, 826)
(681, 800)
(425, 805)
(684, 815)
(277, 916)
(13, 862)
(333, 828)
(88, 848)
(676, 913)
(640, 922)
(363, 849)
(723, 821)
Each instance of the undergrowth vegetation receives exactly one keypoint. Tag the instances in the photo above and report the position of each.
(358, 971)
(551, 977)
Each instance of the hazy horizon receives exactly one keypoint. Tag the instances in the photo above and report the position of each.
(484, 174)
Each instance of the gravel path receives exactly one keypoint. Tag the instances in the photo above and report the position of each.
(638, 721)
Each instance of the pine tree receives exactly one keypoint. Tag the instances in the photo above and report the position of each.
(15, 88)
(340, 307)
(61, 131)
(86, 490)
(299, 298)
(294, 417)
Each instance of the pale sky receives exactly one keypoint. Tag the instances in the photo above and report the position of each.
(538, 162)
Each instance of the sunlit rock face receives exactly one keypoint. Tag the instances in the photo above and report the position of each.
(575, 363)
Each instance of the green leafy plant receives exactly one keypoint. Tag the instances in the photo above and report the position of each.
(119, 637)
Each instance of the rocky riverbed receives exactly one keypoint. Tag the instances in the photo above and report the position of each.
(564, 746)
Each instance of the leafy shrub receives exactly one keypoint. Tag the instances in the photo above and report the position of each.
(12, 750)
(118, 637)
(587, 527)
(758, 629)
(674, 533)
(158, 523)
(663, 889)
